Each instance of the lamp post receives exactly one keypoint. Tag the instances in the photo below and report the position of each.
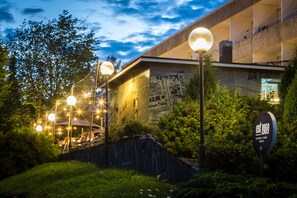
(71, 101)
(200, 41)
(52, 117)
(106, 69)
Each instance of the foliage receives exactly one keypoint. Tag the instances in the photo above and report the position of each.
(228, 127)
(218, 184)
(179, 129)
(290, 106)
(14, 113)
(22, 149)
(76, 179)
(225, 120)
(192, 87)
(3, 72)
(131, 128)
(281, 163)
(288, 76)
(50, 57)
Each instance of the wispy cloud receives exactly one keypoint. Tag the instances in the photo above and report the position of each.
(125, 28)
(32, 11)
(5, 15)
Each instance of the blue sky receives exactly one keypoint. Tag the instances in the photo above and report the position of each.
(125, 28)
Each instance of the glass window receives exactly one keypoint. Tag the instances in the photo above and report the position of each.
(269, 90)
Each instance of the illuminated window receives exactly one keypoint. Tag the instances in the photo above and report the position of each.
(269, 90)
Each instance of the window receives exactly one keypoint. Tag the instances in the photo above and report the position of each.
(269, 90)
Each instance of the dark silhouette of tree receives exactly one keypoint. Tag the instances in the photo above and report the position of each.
(50, 57)
(288, 77)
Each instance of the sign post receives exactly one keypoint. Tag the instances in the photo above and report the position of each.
(265, 130)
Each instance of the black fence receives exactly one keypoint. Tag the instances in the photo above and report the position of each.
(142, 154)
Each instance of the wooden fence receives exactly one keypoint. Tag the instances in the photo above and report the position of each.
(142, 154)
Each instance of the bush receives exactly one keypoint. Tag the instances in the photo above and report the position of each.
(290, 106)
(131, 128)
(225, 122)
(218, 184)
(23, 149)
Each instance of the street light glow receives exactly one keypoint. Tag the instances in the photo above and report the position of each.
(51, 117)
(200, 40)
(71, 100)
(38, 128)
(106, 68)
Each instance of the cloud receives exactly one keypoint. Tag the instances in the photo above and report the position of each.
(5, 15)
(32, 11)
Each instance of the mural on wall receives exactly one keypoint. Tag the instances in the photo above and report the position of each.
(166, 89)
(125, 102)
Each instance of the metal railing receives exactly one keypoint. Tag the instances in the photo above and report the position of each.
(290, 15)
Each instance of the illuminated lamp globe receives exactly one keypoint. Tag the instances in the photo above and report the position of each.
(200, 40)
(71, 100)
(38, 128)
(106, 68)
(51, 117)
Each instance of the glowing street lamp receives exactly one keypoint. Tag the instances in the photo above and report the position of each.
(38, 128)
(71, 101)
(106, 69)
(51, 117)
(200, 41)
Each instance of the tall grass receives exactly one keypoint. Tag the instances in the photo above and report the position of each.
(76, 179)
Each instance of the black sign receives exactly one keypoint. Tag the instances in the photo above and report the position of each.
(265, 130)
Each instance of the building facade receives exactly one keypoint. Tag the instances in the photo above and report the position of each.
(261, 31)
(253, 41)
(150, 86)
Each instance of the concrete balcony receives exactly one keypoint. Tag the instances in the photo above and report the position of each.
(242, 48)
(266, 38)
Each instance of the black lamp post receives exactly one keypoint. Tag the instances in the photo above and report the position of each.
(200, 41)
(106, 69)
(71, 101)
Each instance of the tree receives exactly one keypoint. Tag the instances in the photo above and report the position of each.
(290, 106)
(51, 57)
(288, 76)
(3, 72)
(192, 87)
(14, 113)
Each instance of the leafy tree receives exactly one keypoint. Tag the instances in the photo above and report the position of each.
(3, 72)
(51, 57)
(288, 76)
(192, 87)
(290, 106)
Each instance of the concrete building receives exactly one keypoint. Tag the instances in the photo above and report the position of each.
(261, 31)
(253, 41)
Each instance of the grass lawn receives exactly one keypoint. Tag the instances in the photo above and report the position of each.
(77, 179)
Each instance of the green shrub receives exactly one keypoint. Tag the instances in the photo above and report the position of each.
(218, 184)
(290, 106)
(225, 121)
(288, 76)
(179, 130)
(23, 149)
(129, 129)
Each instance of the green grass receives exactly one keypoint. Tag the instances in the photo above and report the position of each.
(77, 179)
